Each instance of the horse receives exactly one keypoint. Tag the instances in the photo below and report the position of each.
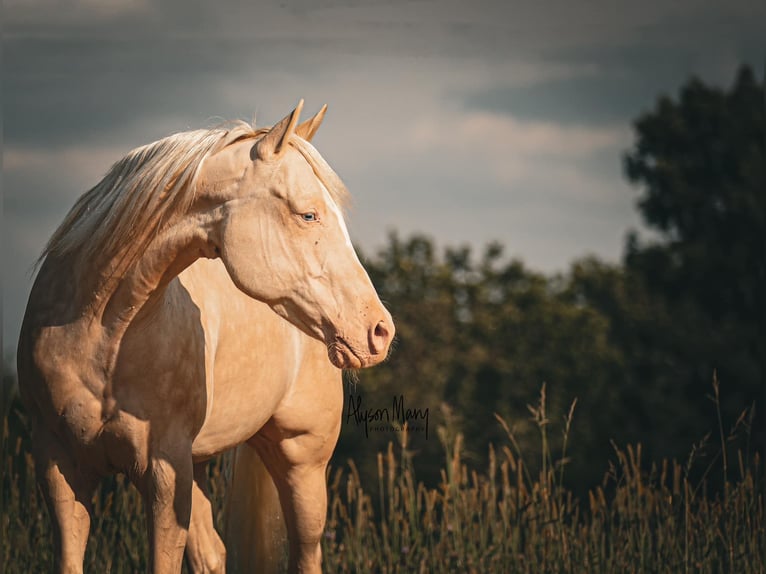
(204, 295)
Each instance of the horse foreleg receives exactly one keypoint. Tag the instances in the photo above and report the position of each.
(304, 503)
(167, 492)
(299, 474)
(205, 552)
(68, 493)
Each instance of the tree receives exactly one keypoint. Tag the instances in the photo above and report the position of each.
(693, 300)
(701, 165)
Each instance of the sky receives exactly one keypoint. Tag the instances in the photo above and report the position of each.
(466, 121)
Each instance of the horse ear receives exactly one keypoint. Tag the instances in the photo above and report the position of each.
(275, 141)
(308, 128)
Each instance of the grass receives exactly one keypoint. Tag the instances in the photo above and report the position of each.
(505, 518)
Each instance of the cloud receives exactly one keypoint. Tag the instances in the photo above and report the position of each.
(47, 181)
(509, 137)
(480, 176)
(59, 91)
(76, 160)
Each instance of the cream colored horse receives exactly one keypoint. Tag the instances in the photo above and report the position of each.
(188, 304)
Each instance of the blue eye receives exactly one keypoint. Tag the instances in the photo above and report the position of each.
(310, 216)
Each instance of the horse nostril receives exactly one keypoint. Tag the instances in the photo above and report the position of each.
(381, 330)
(380, 338)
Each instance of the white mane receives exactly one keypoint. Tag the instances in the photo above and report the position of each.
(125, 210)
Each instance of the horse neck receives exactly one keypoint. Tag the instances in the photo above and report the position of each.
(143, 282)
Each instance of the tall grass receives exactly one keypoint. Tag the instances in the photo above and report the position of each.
(505, 518)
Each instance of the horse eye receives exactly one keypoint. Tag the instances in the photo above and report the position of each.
(311, 216)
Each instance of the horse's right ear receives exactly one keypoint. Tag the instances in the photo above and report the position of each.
(274, 143)
(308, 128)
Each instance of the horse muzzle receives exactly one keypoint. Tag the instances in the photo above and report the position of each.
(344, 354)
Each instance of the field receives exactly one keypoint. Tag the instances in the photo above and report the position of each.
(503, 518)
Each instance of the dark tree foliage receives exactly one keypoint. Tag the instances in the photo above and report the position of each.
(701, 165)
(478, 336)
(693, 300)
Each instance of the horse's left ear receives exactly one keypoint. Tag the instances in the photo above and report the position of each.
(274, 143)
(308, 128)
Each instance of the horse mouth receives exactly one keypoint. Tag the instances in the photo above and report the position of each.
(343, 356)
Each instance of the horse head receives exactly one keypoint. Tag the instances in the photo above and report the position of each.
(281, 235)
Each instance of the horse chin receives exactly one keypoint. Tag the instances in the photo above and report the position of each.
(342, 356)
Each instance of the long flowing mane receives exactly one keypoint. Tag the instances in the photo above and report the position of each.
(121, 214)
(119, 217)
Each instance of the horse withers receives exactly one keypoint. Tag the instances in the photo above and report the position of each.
(205, 294)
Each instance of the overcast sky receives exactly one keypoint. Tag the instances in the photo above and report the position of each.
(467, 121)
